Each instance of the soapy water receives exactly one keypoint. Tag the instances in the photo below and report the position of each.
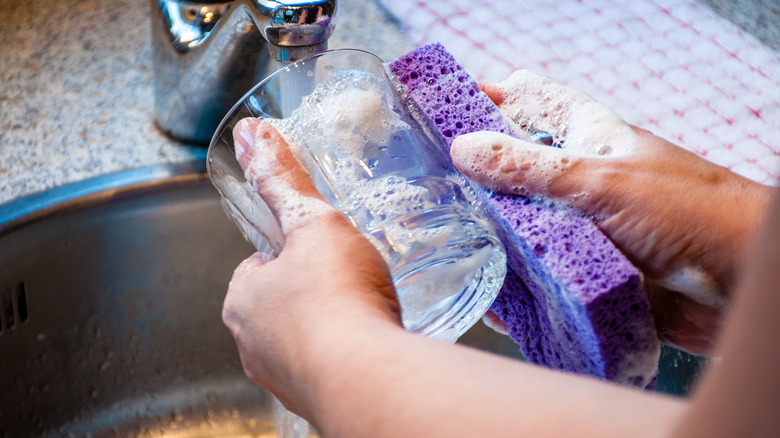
(370, 162)
(373, 162)
(289, 425)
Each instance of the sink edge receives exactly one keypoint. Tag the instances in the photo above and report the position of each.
(29, 208)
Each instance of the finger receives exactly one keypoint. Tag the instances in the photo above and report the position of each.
(509, 165)
(235, 300)
(273, 171)
(494, 92)
(265, 156)
(244, 139)
(246, 268)
(572, 117)
(512, 166)
(494, 322)
(682, 322)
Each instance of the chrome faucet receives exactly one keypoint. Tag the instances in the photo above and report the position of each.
(207, 54)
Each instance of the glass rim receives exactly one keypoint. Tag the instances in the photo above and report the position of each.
(228, 116)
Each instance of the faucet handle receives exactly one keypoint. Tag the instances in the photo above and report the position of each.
(296, 23)
(283, 23)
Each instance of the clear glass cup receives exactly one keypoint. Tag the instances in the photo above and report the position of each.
(373, 157)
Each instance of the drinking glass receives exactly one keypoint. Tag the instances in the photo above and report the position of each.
(377, 160)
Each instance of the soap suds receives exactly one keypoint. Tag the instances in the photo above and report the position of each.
(265, 175)
(579, 122)
(578, 125)
(349, 113)
(696, 284)
(402, 194)
(493, 159)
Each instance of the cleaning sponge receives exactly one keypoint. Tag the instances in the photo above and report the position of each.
(571, 300)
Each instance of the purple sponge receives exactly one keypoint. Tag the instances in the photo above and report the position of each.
(571, 300)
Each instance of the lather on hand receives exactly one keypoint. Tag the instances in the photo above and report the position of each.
(683, 221)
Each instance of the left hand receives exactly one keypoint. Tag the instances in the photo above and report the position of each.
(328, 283)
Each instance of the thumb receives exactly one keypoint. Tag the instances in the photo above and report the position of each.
(513, 166)
(273, 171)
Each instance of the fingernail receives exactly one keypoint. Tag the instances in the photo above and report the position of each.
(243, 137)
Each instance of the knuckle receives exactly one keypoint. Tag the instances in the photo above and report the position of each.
(230, 317)
(249, 372)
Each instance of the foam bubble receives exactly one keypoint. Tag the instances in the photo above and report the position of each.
(504, 163)
(349, 113)
(348, 110)
(293, 209)
(578, 121)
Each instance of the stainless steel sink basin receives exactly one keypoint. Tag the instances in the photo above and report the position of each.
(111, 293)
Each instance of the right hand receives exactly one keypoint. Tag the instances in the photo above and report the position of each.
(683, 221)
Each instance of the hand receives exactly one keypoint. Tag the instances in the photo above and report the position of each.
(328, 282)
(320, 328)
(683, 221)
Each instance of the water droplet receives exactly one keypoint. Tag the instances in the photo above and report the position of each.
(254, 102)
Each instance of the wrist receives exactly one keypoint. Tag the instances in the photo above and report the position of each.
(336, 358)
(747, 216)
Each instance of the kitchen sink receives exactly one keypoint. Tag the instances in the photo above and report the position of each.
(111, 293)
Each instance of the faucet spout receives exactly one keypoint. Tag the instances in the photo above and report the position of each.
(206, 55)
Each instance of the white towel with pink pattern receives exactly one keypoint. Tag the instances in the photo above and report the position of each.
(673, 67)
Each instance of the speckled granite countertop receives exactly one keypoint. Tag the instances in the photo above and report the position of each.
(76, 97)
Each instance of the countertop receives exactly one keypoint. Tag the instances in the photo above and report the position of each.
(76, 98)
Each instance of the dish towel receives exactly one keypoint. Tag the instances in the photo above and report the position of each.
(673, 67)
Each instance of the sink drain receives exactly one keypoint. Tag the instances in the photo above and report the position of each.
(14, 307)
